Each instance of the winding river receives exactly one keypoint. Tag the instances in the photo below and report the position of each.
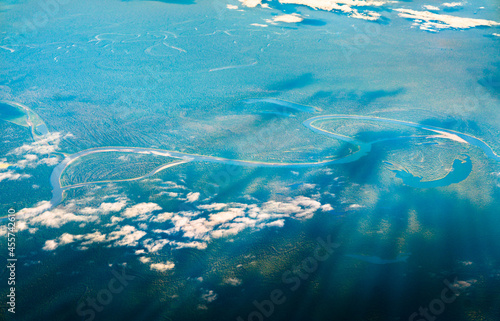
(364, 149)
(461, 168)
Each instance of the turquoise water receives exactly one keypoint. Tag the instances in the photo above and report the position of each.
(381, 137)
(460, 171)
(7, 112)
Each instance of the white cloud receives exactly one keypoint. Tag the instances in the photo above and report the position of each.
(234, 218)
(96, 237)
(142, 210)
(233, 281)
(213, 206)
(344, 6)
(288, 18)
(462, 285)
(46, 145)
(231, 7)
(50, 245)
(12, 176)
(191, 229)
(192, 245)
(277, 223)
(163, 217)
(453, 4)
(32, 161)
(192, 197)
(162, 267)
(308, 186)
(226, 216)
(209, 296)
(66, 238)
(171, 185)
(105, 208)
(126, 236)
(434, 21)
(51, 161)
(326, 207)
(432, 8)
(299, 207)
(21, 225)
(154, 246)
(58, 217)
(251, 3)
(39, 208)
(87, 239)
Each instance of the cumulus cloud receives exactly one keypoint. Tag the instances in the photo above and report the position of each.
(46, 145)
(253, 3)
(141, 211)
(326, 207)
(184, 229)
(50, 245)
(163, 217)
(209, 296)
(96, 237)
(37, 209)
(66, 238)
(12, 176)
(430, 7)
(344, 6)
(21, 226)
(154, 246)
(462, 285)
(32, 161)
(434, 22)
(170, 185)
(213, 206)
(126, 236)
(58, 217)
(162, 267)
(192, 197)
(105, 208)
(233, 281)
(34, 154)
(453, 4)
(224, 220)
(288, 18)
(191, 245)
